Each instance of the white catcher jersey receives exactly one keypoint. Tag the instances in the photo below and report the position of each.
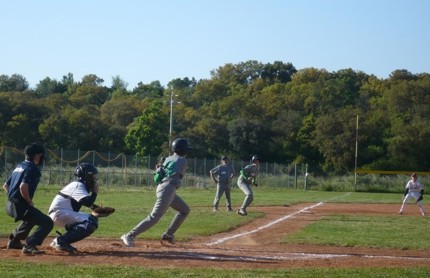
(75, 190)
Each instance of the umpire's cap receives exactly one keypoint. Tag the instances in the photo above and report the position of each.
(33, 149)
(224, 157)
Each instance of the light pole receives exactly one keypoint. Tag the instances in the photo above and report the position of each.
(356, 152)
(171, 119)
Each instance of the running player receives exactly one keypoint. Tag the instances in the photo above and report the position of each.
(246, 179)
(174, 168)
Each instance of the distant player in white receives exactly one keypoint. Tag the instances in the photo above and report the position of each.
(414, 189)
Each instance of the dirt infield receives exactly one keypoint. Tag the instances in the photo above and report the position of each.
(255, 245)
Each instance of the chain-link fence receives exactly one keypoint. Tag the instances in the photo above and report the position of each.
(131, 170)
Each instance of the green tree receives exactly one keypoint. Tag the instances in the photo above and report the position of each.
(116, 115)
(55, 128)
(148, 132)
(151, 90)
(335, 139)
(49, 86)
(248, 137)
(20, 118)
(14, 83)
(90, 92)
(119, 85)
(278, 72)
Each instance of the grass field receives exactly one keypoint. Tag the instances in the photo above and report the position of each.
(133, 204)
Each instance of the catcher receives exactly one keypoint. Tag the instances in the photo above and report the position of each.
(64, 209)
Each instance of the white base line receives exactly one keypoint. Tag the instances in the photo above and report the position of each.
(221, 240)
(263, 227)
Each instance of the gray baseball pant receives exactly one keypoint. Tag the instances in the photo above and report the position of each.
(246, 188)
(166, 197)
(221, 189)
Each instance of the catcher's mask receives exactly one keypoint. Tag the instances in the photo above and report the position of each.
(86, 173)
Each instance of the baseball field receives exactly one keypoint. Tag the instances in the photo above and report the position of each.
(287, 233)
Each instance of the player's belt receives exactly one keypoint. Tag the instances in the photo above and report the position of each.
(64, 195)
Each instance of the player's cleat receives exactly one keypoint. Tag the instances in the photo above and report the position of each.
(168, 239)
(242, 212)
(400, 212)
(229, 210)
(128, 240)
(31, 250)
(423, 213)
(14, 243)
(215, 209)
(63, 247)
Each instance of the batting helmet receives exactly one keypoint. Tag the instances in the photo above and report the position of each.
(254, 158)
(86, 173)
(181, 146)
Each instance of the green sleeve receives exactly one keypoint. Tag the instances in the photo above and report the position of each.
(244, 173)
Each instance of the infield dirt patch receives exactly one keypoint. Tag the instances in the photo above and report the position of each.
(260, 248)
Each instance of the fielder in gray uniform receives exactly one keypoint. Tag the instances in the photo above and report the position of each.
(174, 168)
(222, 175)
(414, 189)
(245, 181)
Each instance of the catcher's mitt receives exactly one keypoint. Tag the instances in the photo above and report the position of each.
(101, 211)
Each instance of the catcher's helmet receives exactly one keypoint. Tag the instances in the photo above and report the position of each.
(254, 158)
(181, 146)
(86, 173)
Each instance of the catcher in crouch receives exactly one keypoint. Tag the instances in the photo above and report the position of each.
(64, 209)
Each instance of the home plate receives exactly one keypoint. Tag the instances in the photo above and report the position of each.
(306, 211)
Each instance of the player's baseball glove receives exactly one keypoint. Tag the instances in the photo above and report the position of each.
(99, 211)
(421, 195)
(420, 198)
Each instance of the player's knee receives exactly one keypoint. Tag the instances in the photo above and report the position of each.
(92, 224)
(87, 227)
(48, 223)
(155, 217)
(186, 211)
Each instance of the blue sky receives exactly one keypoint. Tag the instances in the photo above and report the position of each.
(167, 39)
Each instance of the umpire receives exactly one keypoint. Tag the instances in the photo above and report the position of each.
(20, 188)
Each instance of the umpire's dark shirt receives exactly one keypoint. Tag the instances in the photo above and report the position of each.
(25, 172)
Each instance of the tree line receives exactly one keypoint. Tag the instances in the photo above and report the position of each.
(283, 114)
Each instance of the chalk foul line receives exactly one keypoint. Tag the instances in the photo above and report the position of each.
(304, 210)
(222, 240)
